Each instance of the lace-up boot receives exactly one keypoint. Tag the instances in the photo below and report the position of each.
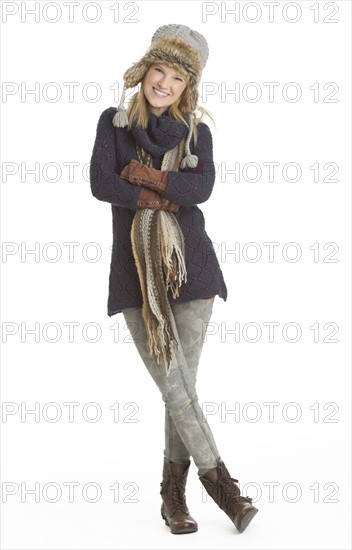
(223, 490)
(174, 509)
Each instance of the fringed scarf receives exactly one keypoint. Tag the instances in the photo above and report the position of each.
(159, 253)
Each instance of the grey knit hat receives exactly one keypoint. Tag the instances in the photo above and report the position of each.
(180, 47)
(194, 38)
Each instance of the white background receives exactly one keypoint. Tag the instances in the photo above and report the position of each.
(311, 454)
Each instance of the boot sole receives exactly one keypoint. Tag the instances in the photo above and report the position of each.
(246, 519)
(184, 531)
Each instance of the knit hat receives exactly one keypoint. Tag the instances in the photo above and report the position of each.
(181, 48)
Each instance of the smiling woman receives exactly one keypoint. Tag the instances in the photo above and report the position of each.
(162, 86)
(154, 164)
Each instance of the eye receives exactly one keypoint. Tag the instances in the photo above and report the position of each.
(179, 78)
(158, 69)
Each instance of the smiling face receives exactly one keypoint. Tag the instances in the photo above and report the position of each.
(162, 86)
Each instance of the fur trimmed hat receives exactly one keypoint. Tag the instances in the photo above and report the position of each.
(182, 49)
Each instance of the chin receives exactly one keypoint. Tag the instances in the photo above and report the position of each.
(159, 105)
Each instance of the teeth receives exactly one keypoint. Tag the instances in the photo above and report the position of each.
(160, 94)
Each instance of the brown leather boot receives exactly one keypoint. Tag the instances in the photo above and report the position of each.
(224, 491)
(174, 509)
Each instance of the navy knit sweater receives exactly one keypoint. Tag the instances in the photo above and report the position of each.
(113, 149)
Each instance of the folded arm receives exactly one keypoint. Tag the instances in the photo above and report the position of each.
(187, 187)
(193, 186)
(105, 182)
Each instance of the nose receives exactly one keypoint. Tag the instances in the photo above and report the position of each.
(163, 82)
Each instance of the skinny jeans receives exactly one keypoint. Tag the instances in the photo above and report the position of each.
(187, 432)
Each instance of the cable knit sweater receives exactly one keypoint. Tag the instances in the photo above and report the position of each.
(113, 149)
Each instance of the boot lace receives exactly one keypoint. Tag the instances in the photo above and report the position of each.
(178, 494)
(227, 490)
(178, 499)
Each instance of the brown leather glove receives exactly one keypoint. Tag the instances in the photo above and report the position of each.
(152, 199)
(141, 174)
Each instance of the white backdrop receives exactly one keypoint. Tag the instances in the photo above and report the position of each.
(83, 472)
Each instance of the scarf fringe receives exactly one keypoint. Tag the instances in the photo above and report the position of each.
(159, 253)
(172, 250)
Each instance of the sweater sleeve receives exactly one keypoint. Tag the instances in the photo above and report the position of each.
(192, 186)
(106, 184)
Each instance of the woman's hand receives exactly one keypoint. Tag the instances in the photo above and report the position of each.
(152, 199)
(141, 174)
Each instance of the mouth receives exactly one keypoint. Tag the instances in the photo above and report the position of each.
(158, 93)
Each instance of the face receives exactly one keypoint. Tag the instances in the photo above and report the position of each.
(162, 86)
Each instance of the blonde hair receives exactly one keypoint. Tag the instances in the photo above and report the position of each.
(138, 111)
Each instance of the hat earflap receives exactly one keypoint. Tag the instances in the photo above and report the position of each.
(189, 100)
(131, 77)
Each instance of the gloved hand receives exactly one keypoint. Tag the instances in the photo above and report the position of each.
(141, 174)
(152, 199)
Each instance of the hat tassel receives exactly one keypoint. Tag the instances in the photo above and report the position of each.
(189, 161)
(120, 119)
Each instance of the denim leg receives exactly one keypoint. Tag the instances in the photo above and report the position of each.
(191, 320)
(178, 392)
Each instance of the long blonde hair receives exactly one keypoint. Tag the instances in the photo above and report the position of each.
(138, 111)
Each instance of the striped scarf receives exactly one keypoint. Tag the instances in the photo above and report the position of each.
(159, 253)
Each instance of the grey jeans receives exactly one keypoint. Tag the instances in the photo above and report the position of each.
(187, 432)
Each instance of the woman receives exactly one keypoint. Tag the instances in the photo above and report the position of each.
(154, 164)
